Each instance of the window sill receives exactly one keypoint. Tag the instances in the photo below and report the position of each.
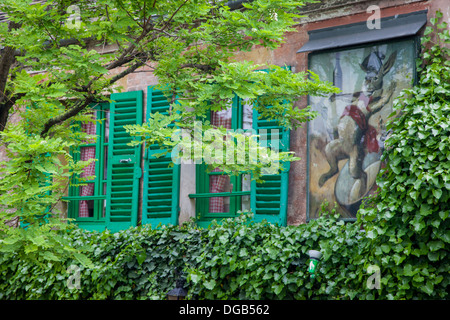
(219, 194)
(85, 198)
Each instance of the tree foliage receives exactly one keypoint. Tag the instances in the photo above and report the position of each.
(189, 45)
(34, 180)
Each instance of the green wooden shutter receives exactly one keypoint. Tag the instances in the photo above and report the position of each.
(161, 175)
(268, 200)
(122, 191)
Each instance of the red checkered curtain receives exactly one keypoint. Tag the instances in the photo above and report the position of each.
(217, 183)
(86, 154)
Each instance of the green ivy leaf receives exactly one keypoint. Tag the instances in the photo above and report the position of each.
(425, 209)
(433, 256)
(437, 193)
(210, 285)
(277, 288)
(428, 288)
(418, 278)
(84, 260)
(141, 257)
(436, 245)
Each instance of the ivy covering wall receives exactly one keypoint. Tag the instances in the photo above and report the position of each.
(408, 221)
(238, 259)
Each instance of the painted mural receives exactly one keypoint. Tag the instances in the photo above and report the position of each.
(346, 140)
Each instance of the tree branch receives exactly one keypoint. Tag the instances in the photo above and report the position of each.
(126, 72)
(129, 15)
(203, 67)
(82, 104)
(173, 15)
(165, 32)
(79, 106)
(4, 112)
(128, 55)
(7, 60)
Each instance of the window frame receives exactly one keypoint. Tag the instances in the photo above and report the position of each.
(98, 220)
(202, 181)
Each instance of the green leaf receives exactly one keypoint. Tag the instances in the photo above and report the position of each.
(223, 239)
(433, 256)
(446, 236)
(84, 260)
(437, 193)
(372, 234)
(31, 248)
(210, 285)
(425, 210)
(418, 278)
(418, 225)
(49, 256)
(443, 214)
(195, 278)
(277, 288)
(428, 288)
(243, 252)
(398, 258)
(436, 245)
(407, 270)
(141, 257)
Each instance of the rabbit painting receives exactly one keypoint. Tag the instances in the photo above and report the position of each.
(355, 136)
(346, 140)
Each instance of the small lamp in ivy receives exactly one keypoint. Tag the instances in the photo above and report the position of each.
(314, 257)
(179, 292)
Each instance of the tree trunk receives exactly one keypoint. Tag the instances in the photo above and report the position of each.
(7, 59)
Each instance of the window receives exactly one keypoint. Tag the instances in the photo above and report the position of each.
(110, 198)
(346, 140)
(113, 198)
(88, 203)
(220, 196)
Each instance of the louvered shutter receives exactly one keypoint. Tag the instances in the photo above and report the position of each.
(161, 175)
(268, 200)
(123, 168)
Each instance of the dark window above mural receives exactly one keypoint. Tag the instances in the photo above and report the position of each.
(346, 140)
